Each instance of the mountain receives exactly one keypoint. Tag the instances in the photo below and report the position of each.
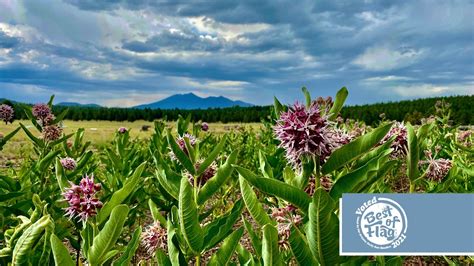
(74, 104)
(192, 101)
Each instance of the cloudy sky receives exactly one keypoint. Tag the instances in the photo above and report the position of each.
(119, 53)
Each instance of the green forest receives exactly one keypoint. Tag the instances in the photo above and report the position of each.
(411, 111)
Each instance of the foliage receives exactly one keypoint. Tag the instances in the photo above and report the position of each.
(190, 197)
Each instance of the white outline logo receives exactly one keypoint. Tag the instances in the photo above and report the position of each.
(382, 223)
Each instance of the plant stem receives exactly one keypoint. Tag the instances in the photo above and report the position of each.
(78, 250)
(317, 173)
(198, 260)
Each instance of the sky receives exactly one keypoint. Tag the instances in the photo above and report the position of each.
(125, 53)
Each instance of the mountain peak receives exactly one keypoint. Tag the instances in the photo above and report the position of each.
(193, 101)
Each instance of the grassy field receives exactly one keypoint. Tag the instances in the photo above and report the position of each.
(98, 132)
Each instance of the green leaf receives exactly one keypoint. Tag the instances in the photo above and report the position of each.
(219, 228)
(254, 238)
(413, 153)
(26, 242)
(323, 232)
(61, 116)
(169, 182)
(349, 181)
(37, 141)
(300, 247)
(105, 240)
(253, 205)
(173, 250)
(188, 217)
(182, 157)
(278, 107)
(270, 249)
(307, 96)
(265, 168)
(120, 195)
(222, 175)
(212, 156)
(50, 102)
(47, 160)
(338, 103)
(60, 252)
(155, 213)
(354, 149)
(8, 137)
(277, 188)
(129, 252)
(223, 255)
(161, 258)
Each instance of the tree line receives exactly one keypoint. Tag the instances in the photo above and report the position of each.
(411, 110)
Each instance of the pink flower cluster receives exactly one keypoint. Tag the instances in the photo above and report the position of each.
(204, 126)
(210, 171)
(303, 132)
(43, 114)
(68, 163)
(182, 144)
(82, 199)
(325, 182)
(153, 238)
(285, 218)
(6, 113)
(400, 144)
(122, 130)
(437, 168)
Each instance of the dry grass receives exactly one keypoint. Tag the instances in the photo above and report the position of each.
(98, 132)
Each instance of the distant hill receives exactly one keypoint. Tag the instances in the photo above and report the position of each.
(78, 104)
(192, 101)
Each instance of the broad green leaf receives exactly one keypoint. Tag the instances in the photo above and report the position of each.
(212, 156)
(300, 247)
(170, 183)
(338, 103)
(307, 96)
(188, 217)
(254, 237)
(413, 153)
(180, 155)
(120, 195)
(270, 249)
(347, 182)
(323, 232)
(277, 188)
(105, 240)
(354, 149)
(382, 171)
(254, 207)
(162, 259)
(47, 160)
(60, 252)
(219, 228)
(62, 180)
(129, 252)
(222, 175)
(173, 250)
(223, 255)
(244, 256)
(155, 213)
(26, 242)
(37, 141)
(265, 168)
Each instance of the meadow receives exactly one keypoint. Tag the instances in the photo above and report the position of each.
(192, 193)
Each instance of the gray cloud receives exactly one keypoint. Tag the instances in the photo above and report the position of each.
(381, 50)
